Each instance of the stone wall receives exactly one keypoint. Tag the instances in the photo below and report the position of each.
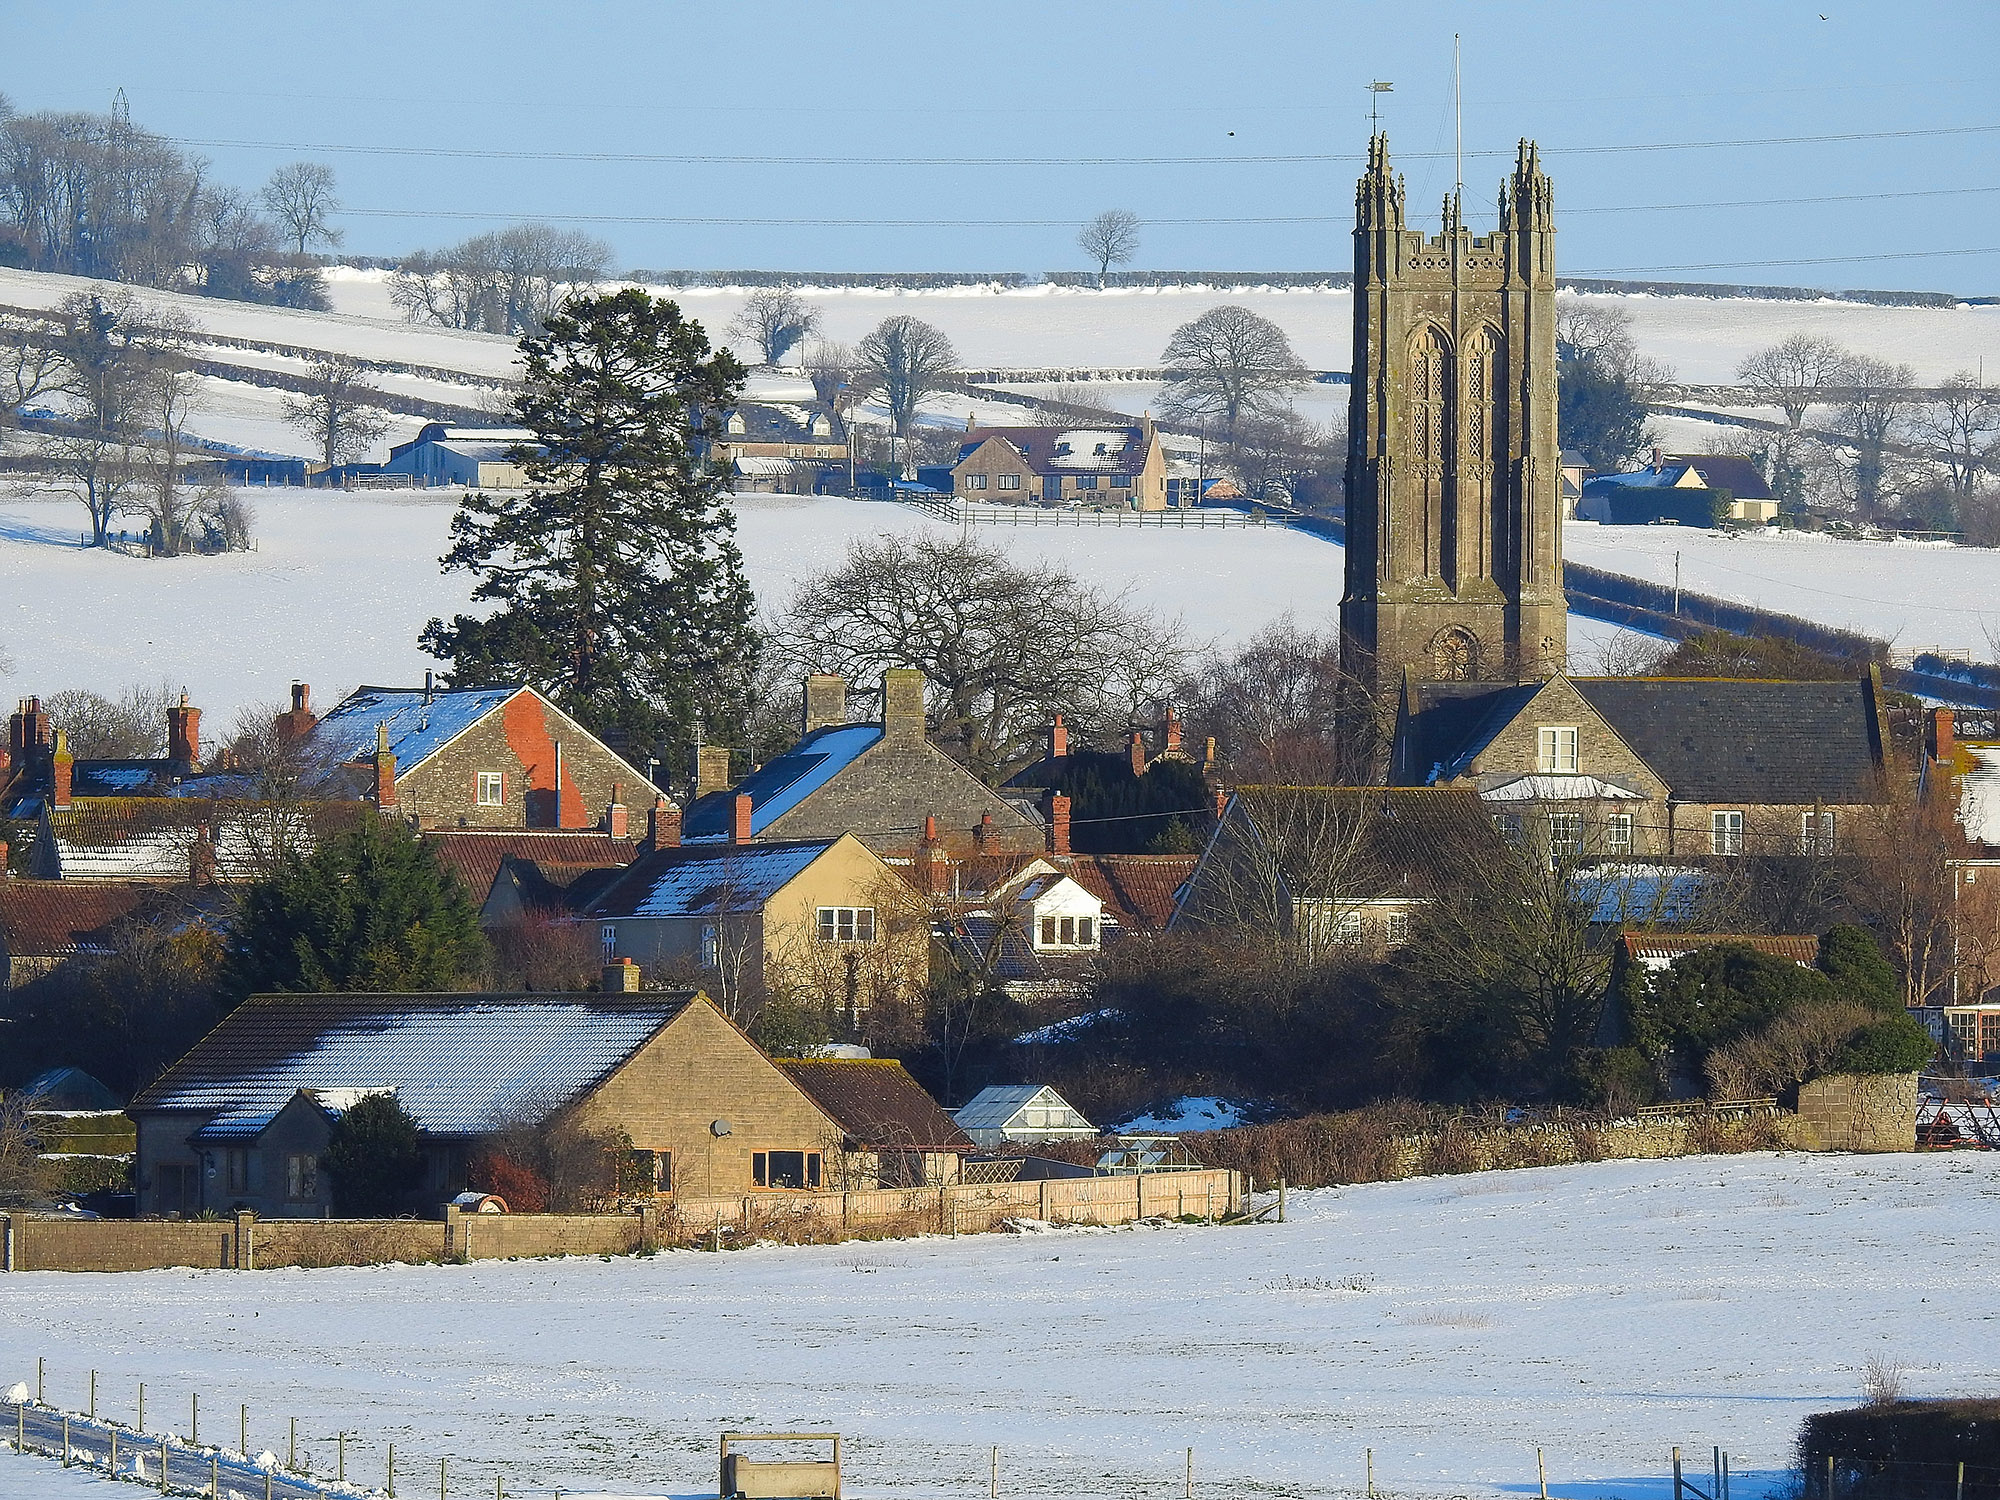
(1859, 1112)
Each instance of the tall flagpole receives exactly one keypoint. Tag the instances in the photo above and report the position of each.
(1458, 128)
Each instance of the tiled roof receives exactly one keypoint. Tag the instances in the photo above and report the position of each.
(783, 422)
(475, 857)
(1138, 889)
(1068, 450)
(705, 880)
(151, 838)
(417, 730)
(780, 785)
(1730, 740)
(460, 1064)
(1451, 722)
(1717, 471)
(56, 918)
(876, 1103)
(1661, 948)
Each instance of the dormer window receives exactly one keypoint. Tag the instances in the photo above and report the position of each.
(1555, 750)
(1062, 450)
(1067, 932)
(735, 424)
(1101, 449)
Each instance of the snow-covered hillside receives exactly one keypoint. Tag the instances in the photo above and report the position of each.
(1601, 1313)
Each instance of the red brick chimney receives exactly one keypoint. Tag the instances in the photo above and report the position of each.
(1943, 734)
(298, 723)
(1173, 732)
(1659, 459)
(385, 768)
(936, 864)
(982, 836)
(1221, 802)
(62, 767)
(27, 732)
(1208, 756)
(1137, 749)
(615, 822)
(184, 733)
(1059, 740)
(1056, 807)
(663, 825)
(739, 819)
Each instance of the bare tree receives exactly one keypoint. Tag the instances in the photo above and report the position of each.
(339, 412)
(171, 395)
(1873, 416)
(1004, 647)
(830, 367)
(1960, 425)
(30, 367)
(131, 727)
(904, 360)
(300, 196)
(1791, 374)
(1228, 364)
(1275, 708)
(1110, 239)
(1602, 334)
(774, 318)
(507, 281)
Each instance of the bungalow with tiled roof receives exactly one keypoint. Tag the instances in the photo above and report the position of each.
(1123, 466)
(243, 1121)
(892, 1133)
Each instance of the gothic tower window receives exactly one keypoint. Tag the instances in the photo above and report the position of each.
(1485, 442)
(1427, 447)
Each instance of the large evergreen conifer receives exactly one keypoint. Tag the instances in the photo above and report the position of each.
(620, 586)
(369, 910)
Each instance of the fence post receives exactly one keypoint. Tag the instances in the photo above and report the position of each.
(1371, 1473)
(392, 1471)
(340, 1457)
(6, 1242)
(111, 1463)
(163, 1466)
(194, 1419)
(1542, 1474)
(65, 1458)
(142, 1406)
(1677, 1474)
(1187, 1489)
(93, 1395)
(993, 1475)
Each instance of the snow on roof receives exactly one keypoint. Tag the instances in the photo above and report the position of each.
(780, 785)
(417, 729)
(1979, 795)
(460, 1064)
(707, 880)
(770, 385)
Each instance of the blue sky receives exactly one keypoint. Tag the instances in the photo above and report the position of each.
(873, 87)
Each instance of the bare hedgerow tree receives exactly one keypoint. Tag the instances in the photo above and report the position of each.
(510, 280)
(1790, 374)
(1228, 364)
(1004, 646)
(830, 367)
(1873, 415)
(775, 319)
(1110, 239)
(30, 367)
(339, 411)
(903, 360)
(1960, 425)
(300, 196)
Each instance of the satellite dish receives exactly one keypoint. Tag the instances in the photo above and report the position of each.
(718, 1127)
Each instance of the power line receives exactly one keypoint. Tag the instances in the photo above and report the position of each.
(743, 221)
(1818, 260)
(727, 160)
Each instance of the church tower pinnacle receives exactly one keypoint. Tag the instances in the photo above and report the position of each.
(1454, 539)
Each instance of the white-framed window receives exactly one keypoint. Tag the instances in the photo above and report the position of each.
(1010, 481)
(492, 788)
(1347, 929)
(1066, 932)
(1555, 749)
(1816, 831)
(1396, 928)
(1509, 824)
(975, 481)
(1565, 835)
(1725, 833)
(711, 946)
(609, 936)
(1618, 833)
(847, 924)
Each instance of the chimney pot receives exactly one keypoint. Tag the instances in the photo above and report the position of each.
(621, 977)
(1173, 731)
(739, 821)
(982, 836)
(301, 696)
(616, 822)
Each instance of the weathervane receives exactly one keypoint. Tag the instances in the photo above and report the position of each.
(1375, 92)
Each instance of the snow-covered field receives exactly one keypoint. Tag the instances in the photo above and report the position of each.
(341, 584)
(1601, 1313)
(1911, 594)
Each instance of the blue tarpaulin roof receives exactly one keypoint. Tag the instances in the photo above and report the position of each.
(780, 785)
(460, 1064)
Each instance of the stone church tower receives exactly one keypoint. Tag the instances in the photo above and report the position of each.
(1454, 538)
